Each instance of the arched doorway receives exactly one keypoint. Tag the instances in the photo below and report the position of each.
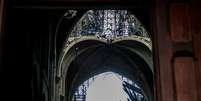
(101, 41)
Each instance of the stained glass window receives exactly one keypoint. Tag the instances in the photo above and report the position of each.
(108, 24)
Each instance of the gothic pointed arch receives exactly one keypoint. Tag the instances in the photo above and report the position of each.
(95, 35)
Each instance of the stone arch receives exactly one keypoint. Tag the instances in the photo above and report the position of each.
(120, 70)
(90, 42)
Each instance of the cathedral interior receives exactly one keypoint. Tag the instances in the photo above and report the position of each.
(142, 50)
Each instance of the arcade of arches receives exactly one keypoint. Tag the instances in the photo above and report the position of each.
(53, 50)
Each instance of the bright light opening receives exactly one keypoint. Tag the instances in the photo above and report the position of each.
(108, 86)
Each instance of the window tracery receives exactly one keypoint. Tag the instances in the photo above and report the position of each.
(108, 24)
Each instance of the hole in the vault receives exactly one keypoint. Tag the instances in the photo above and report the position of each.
(109, 86)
